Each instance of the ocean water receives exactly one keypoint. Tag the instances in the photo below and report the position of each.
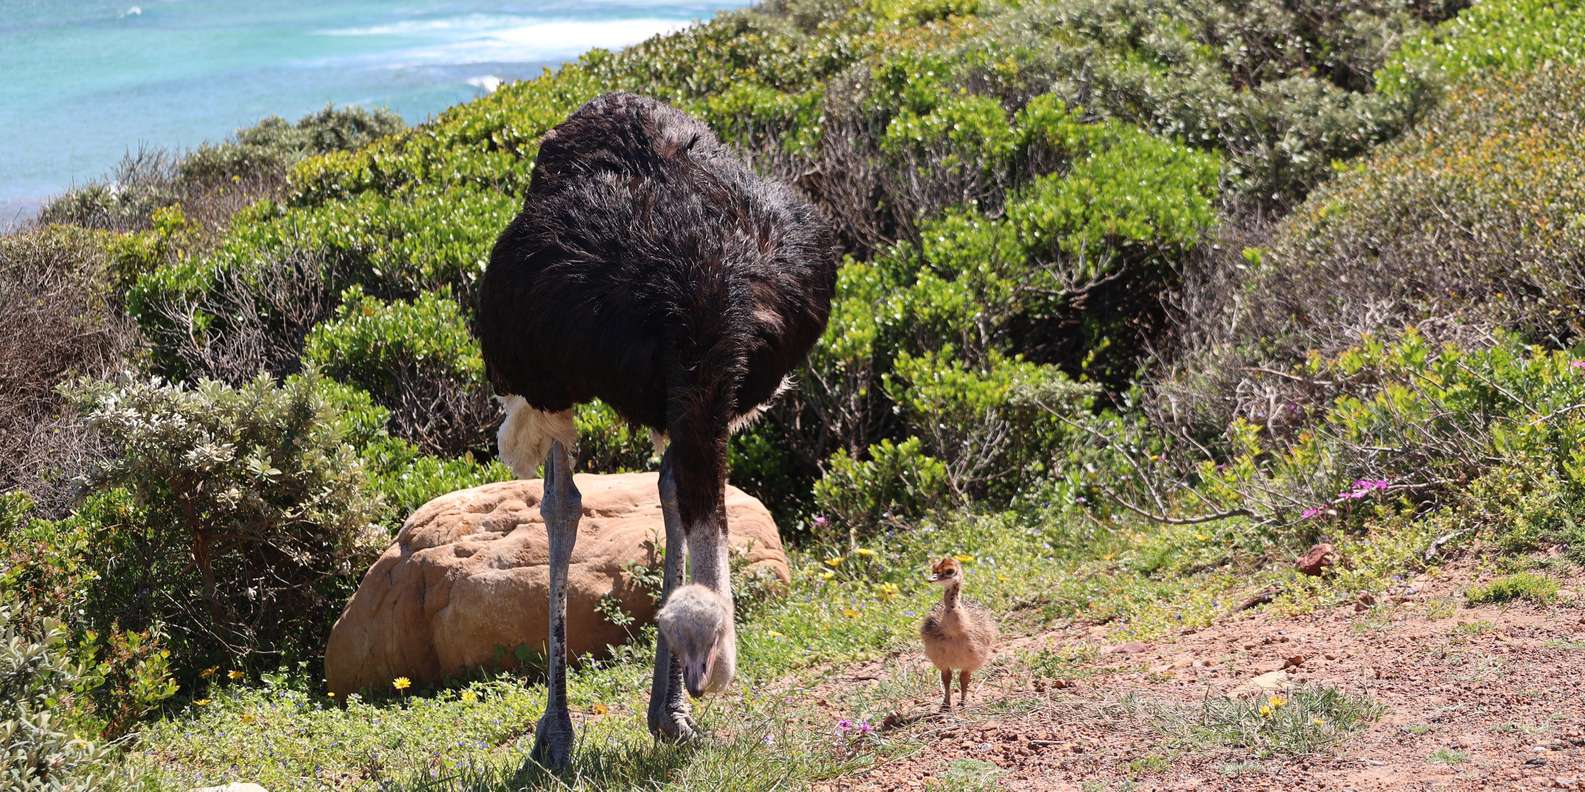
(84, 81)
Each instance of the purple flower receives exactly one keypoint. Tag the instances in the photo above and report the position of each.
(1363, 487)
(768, 740)
(820, 521)
(865, 728)
(844, 726)
(1312, 513)
(1578, 365)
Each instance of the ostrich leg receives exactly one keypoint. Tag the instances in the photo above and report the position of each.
(668, 708)
(561, 507)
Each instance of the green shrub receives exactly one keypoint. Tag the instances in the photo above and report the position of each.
(997, 431)
(896, 484)
(273, 145)
(609, 444)
(1487, 439)
(42, 743)
(1489, 37)
(1529, 586)
(237, 518)
(1465, 227)
(418, 359)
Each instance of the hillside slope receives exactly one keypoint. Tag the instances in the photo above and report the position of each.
(1142, 298)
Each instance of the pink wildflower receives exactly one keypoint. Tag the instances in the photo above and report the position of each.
(844, 726)
(1312, 513)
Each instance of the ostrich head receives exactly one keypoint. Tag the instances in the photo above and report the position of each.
(946, 572)
(697, 623)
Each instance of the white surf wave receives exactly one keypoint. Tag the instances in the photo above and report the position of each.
(486, 82)
(498, 39)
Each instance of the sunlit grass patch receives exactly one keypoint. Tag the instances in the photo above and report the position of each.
(1527, 586)
(1305, 721)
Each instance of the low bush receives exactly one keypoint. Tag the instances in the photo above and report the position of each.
(1462, 229)
(997, 431)
(1486, 38)
(895, 485)
(1487, 440)
(273, 145)
(237, 519)
(43, 745)
(61, 320)
(418, 359)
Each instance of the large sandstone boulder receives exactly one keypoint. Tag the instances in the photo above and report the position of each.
(466, 583)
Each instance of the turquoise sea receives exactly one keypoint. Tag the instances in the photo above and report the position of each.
(84, 81)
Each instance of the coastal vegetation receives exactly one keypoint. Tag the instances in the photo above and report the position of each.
(1140, 299)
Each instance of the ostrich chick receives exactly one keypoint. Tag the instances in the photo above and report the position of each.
(958, 634)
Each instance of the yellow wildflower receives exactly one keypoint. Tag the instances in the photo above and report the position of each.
(1265, 710)
(1276, 702)
(598, 709)
(401, 683)
(964, 558)
(209, 672)
(234, 675)
(864, 552)
(828, 576)
(850, 613)
(1317, 722)
(886, 591)
(203, 702)
(469, 697)
(834, 562)
(331, 694)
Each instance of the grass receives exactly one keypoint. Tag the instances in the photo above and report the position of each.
(1300, 723)
(1526, 586)
(284, 732)
(968, 775)
(1448, 756)
(1032, 567)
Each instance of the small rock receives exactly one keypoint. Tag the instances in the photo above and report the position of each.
(1132, 647)
(1317, 560)
(1535, 761)
(1293, 661)
(1265, 683)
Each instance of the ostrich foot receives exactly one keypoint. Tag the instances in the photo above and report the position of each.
(668, 709)
(553, 741)
(674, 726)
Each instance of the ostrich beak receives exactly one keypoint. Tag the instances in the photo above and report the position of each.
(698, 675)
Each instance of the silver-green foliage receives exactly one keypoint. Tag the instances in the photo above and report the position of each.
(39, 748)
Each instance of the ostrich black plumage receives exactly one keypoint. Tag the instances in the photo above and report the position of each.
(650, 269)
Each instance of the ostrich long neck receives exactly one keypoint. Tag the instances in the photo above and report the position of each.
(949, 596)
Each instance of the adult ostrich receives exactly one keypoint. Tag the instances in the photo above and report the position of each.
(650, 269)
